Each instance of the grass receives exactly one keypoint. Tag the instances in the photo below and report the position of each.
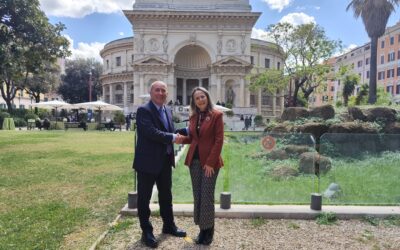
(372, 179)
(328, 218)
(61, 189)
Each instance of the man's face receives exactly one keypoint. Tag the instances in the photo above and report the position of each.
(159, 93)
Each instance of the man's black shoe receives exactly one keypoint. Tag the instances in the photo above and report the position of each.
(149, 240)
(174, 230)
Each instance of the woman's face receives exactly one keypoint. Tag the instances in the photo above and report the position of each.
(200, 99)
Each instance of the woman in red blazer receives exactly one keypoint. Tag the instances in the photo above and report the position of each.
(206, 137)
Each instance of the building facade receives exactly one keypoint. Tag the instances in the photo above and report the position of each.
(188, 44)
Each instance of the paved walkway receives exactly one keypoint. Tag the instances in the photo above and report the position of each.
(281, 211)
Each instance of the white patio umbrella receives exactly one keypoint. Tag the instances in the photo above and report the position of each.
(97, 105)
(55, 104)
(216, 106)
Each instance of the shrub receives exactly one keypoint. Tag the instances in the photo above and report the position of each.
(258, 121)
(176, 118)
(119, 118)
(2, 116)
(19, 122)
(229, 113)
(339, 104)
(30, 115)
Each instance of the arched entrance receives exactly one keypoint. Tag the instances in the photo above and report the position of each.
(192, 69)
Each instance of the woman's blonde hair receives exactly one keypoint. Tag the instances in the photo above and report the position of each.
(193, 108)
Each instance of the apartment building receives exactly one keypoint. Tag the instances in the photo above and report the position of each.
(389, 61)
(357, 60)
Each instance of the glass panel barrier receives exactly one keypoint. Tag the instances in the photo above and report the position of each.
(262, 168)
(365, 169)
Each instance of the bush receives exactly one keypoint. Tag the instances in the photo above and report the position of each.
(119, 118)
(229, 113)
(339, 104)
(258, 121)
(30, 116)
(42, 113)
(19, 122)
(2, 116)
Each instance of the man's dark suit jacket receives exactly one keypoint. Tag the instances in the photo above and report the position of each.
(152, 139)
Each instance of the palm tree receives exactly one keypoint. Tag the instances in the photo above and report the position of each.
(375, 15)
(349, 84)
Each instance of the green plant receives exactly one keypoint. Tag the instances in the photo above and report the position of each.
(31, 116)
(326, 218)
(371, 220)
(119, 117)
(229, 113)
(339, 104)
(258, 121)
(2, 116)
(258, 222)
(123, 225)
(20, 122)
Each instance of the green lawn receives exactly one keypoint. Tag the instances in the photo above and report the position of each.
(61, 189)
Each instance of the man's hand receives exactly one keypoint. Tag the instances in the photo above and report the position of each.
(179, 139)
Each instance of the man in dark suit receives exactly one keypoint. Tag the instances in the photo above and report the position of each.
(154, 156)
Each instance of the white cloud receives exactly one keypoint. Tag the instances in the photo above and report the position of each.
(317, 7)
(278, 4)
(261, 34)
(345, 50)
(81, 8)
(297, 18)
(121, 33)
(85, 50)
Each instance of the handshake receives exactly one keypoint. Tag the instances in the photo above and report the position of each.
(180, 135)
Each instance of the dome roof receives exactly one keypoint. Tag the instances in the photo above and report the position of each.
(192, 57)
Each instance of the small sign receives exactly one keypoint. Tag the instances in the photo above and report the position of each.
(268, 142)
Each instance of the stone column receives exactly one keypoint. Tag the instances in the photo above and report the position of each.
(212, 87)
(219, 86)
(125, 95)
(241, 93)
(184, 95)
(247, 94)
(200, 83)
(259, 101)
(103, 97)
(111, 94)
(172, 87)
(281, 101)
(274, 103)
(142, 90)
(136, 89)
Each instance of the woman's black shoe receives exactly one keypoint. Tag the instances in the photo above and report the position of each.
(209, 235)
(200, 237)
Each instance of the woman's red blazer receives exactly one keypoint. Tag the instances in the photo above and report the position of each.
(209, 141)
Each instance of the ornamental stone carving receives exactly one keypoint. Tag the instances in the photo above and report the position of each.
(231, 45)
(154, 45)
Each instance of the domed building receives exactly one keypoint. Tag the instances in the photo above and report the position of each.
(188, 44)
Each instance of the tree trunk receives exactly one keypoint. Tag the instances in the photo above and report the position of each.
(346, 100)
(373, 71)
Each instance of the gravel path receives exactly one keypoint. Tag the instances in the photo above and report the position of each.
(264, 234)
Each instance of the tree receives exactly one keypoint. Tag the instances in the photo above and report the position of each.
(350, 80)
(375, 15)
(304, 48)
(270, 80)
(27, 42)
(74, 87)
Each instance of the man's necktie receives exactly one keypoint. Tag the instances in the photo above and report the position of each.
(164, 118)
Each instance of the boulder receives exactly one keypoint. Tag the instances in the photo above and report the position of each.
(308, 161)
(282, 129)
(283, 172)
(325, 112)
(297, 149)
(294, 113)
(393, 128)
(352, 127)
(356, 114)
(380, 113)
(314, 128)
(278, 154)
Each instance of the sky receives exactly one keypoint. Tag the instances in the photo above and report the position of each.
(90, 24)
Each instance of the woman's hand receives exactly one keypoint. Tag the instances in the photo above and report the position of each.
(209, 171)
